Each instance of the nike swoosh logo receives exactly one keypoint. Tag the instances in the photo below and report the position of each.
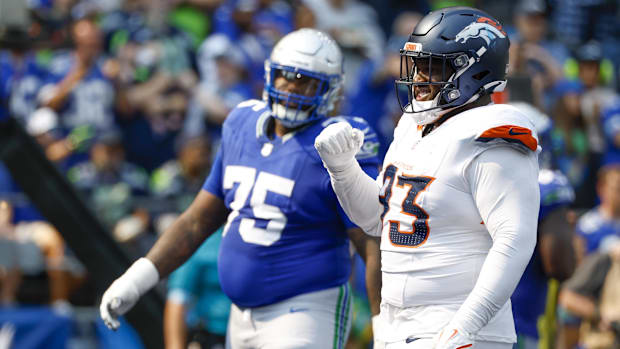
(297, 310)
(513, 133)
(411, 339)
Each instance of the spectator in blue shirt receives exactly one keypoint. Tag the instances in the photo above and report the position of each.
(79, 88)
(21, 75)
(599, 228)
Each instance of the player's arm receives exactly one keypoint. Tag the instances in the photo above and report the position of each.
(504, 185)
(579, 295)
(368, 248)
(357, 193)
(556, 245)
(204, 216)
(175, 329)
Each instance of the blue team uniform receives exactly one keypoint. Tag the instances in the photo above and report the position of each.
(286, 234)
(91, 102)
(597, 230)
(610, 119)
(20, 83)
(530, 296)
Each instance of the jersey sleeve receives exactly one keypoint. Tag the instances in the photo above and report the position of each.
(367, 158)
(504, 186)
(506, 125)
(213, 183)
(372, 171)
(517, 135)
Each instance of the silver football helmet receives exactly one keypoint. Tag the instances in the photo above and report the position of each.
(306, 55)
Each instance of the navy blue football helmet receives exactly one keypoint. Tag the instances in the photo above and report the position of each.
(465, 51)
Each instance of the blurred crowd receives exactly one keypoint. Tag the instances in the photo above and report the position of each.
(127, 98)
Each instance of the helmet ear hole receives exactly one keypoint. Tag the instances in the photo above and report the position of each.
(481, 75)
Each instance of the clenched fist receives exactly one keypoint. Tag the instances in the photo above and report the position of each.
(337, 145)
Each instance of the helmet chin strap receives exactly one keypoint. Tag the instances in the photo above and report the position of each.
(289, 117)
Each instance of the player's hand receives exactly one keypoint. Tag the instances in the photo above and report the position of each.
(337, 145)
(125, 291)
(452, 338)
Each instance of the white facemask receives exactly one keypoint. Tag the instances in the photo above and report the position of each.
(289, 117)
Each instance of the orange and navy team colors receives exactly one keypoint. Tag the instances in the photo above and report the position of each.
(512, 134)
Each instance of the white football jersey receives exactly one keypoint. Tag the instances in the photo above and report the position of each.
(433, 239)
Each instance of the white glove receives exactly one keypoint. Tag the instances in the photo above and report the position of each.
(337, 145)
(452, 338)
(376, 329)
(125, 291)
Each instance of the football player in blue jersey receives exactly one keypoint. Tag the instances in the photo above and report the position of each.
(284, 259)
(554, 257)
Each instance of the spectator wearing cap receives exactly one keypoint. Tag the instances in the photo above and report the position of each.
(111, 185)
(595, 73)
(532, 54)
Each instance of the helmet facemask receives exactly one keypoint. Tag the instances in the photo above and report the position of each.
(312, 99)
(422, 73)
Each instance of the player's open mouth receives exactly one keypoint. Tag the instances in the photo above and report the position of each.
(291, 105)
(422, 93)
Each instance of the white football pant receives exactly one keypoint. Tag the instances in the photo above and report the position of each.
(316, 320)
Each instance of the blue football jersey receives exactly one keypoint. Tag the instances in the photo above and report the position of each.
(286, 233)
(530, 296)
(91, 102)
(20, 82)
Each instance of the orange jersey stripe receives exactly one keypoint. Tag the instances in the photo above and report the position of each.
(510, 133)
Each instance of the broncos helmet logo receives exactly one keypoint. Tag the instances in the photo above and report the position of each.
(479, 30)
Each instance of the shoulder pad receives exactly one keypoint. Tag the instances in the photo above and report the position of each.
(505, 124)
(240, 114)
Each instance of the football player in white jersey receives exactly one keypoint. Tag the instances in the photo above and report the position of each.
(456, 203)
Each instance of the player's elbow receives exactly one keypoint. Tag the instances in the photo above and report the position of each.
(518, 245)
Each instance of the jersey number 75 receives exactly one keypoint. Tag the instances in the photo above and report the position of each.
(258, 185)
